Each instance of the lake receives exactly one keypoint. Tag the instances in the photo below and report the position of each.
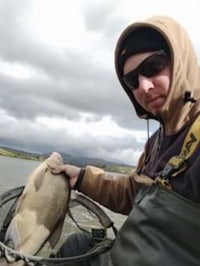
(15, 172)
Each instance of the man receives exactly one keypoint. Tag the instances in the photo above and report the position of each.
(157, 67)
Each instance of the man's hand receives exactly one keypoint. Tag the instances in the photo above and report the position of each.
(72, 172)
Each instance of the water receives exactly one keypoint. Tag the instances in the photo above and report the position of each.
(15, 172)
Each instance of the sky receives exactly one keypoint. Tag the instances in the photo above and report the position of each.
(58, 86)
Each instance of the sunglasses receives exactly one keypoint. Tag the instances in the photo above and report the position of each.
(149, 67)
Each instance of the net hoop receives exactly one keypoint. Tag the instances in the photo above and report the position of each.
(11, 255)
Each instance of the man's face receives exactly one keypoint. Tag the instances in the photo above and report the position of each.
(148, 75)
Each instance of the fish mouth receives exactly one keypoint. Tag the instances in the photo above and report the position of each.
(55, 153)
(54, 159)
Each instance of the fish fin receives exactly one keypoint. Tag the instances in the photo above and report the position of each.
(12, 238)
(55, 235)
(40, 178)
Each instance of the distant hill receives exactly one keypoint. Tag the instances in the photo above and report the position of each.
(70, 159)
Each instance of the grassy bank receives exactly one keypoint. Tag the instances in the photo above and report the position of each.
(18, 154)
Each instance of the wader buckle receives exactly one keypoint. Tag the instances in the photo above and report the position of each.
(174, 166)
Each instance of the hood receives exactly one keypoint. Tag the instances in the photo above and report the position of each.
(185, 79)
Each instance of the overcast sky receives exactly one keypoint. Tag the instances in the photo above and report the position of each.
(58, 87)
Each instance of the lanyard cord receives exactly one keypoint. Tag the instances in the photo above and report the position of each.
(148, 135)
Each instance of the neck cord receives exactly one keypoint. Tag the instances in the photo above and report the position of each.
(148, 135)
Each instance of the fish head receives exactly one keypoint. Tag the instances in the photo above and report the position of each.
(54, 159)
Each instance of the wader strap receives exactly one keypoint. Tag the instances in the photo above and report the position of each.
(177, 163)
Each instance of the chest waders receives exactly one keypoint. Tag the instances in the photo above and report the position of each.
(163, 228)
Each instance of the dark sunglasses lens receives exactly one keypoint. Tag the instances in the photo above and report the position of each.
(131, 80)
(153, 65)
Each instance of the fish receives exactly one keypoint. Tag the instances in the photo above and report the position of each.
(41, 209)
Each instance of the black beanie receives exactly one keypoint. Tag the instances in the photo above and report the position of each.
(142, 39)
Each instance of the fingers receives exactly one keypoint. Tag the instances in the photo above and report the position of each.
(58, 169)
(72, 172)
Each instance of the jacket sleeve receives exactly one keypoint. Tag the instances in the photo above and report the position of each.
(116, 192)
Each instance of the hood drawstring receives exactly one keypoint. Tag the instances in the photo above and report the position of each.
(148, 135)
(159, 137)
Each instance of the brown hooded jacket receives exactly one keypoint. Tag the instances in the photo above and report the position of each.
(177, 115)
